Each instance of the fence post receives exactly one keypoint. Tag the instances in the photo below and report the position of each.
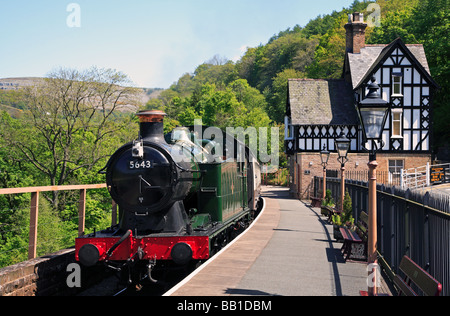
(34, 213)
(402, 180)
(81, 212)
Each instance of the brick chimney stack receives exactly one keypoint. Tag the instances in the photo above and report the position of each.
(355, 33)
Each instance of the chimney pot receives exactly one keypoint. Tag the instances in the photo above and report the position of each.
(151, 125)
(355, 33)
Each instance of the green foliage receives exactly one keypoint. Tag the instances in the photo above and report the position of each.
(328, 200)
(236, 104)
(347, 203)
(68, 131)
(280, 178)
(336, 220)
(347, 214)
(329, 54)
(346, 217)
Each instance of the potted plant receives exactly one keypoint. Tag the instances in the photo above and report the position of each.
(327, 204)
(344, 219)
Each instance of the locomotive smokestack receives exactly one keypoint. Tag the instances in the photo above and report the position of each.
(151, 124)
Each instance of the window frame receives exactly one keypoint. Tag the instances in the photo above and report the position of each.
(397, 167)
(288, 128)
(398, 122)
(399, 84)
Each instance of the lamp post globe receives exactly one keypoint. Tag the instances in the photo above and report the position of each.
(373, 112)
(342, 145)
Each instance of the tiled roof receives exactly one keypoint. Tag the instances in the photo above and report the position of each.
(363, 63)
(321, 102)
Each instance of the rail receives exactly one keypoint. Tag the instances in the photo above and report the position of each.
(425, 176)
(383, 177)
(409, 222)
(34, 208)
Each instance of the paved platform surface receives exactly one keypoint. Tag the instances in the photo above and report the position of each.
(289, 251)
(439, 189)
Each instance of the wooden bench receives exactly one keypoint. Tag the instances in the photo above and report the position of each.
(418, 276)
(355, 242)
(316, 202)
(329, 211)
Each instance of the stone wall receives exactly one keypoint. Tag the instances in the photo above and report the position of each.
(45, 276)
(42, 276)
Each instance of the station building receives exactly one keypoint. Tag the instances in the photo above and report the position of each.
(318, 111)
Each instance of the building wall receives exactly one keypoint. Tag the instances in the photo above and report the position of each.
(305, 166)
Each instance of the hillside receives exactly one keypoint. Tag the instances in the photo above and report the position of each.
(17, 83)
(316, 51)
(10, 90)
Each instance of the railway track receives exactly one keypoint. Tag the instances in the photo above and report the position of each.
(113, 286)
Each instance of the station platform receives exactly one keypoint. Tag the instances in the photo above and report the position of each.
(289, 251)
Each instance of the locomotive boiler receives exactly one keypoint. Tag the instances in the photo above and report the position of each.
(181, 198)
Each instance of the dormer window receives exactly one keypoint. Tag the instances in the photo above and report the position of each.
(397, 85)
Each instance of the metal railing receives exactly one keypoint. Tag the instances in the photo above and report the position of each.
(34, 208)
(409, 223)
(420, 177)
(383, 177)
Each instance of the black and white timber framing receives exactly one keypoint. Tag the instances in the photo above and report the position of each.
(318, 110)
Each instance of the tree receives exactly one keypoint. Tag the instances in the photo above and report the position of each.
(431, 27)
(71, 124)
(329, 55)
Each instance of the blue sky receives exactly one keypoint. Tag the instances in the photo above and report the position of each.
(153, 41)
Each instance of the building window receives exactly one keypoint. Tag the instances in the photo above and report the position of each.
(395, 169)
(397, 85)
(288, 128)
(397, 123)
(395, 166)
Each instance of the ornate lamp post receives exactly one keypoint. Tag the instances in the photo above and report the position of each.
(373, 111)
(342, 146)
(324, 156)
